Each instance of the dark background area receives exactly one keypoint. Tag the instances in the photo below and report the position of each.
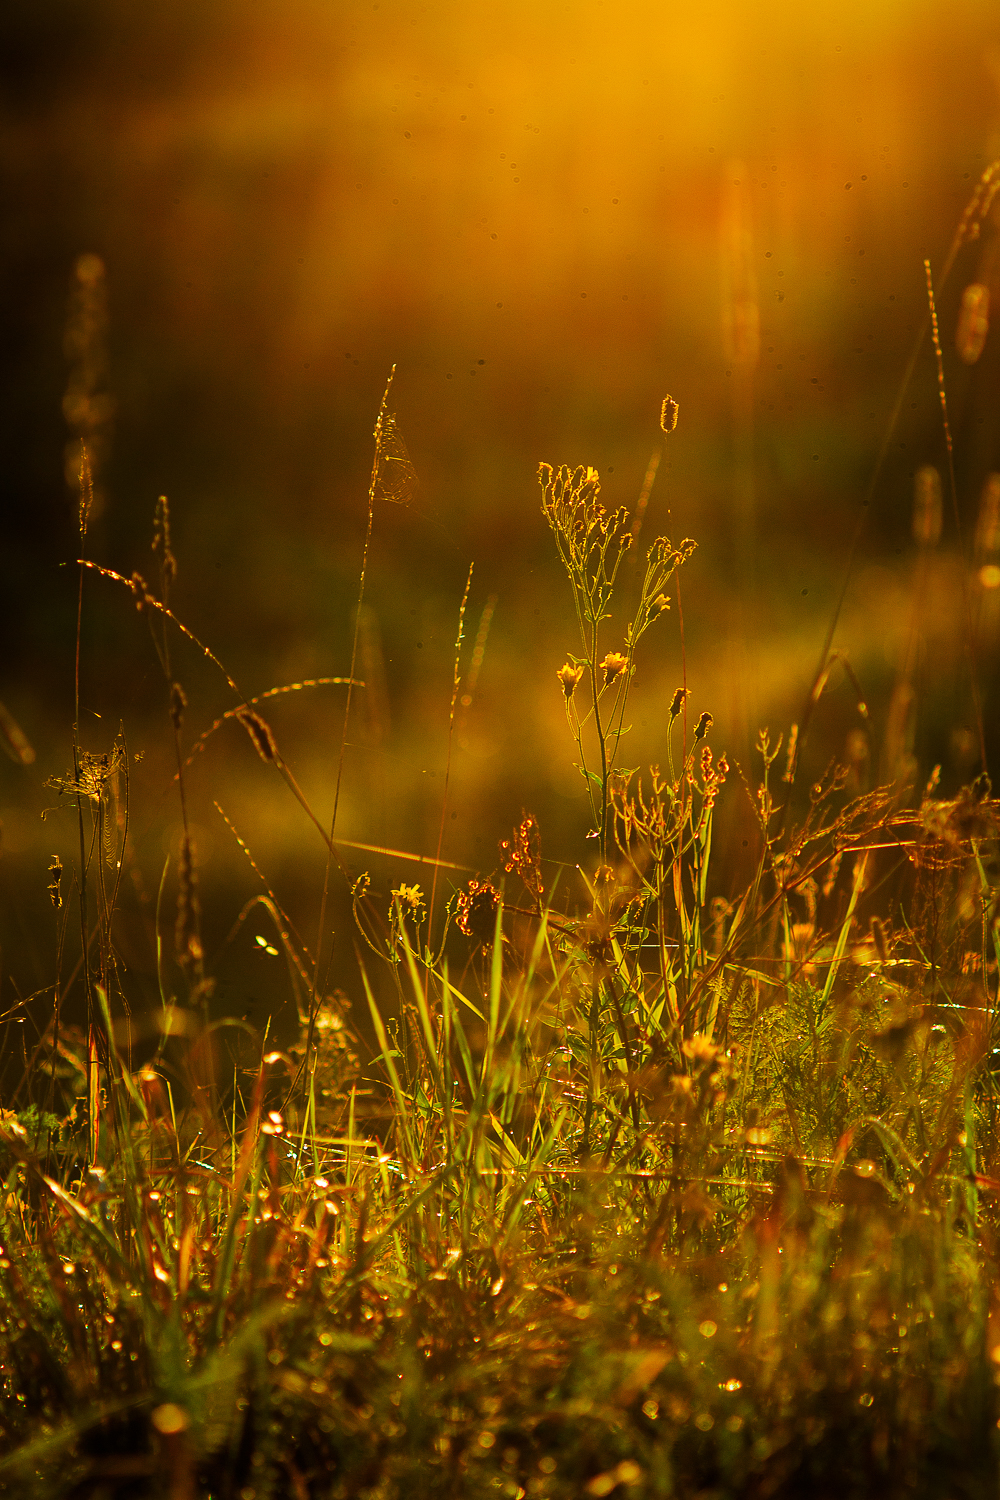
(548, 217)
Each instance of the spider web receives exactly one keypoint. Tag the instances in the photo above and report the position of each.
(395, 478)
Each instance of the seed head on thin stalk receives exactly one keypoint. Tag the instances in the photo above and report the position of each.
(973, 322)
(668, 424)
(668, 415)
(94, 1046)
(677, 703)
(455, 685)
(393, 478)
(161, 545)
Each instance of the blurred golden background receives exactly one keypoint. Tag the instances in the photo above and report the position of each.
(548, 216)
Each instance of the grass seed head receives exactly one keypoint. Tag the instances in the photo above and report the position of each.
(973, 322)
(85, 482)
(140, 591)
(927, 509)
(260, 733)
(161, 538)
(668, 415)
(187, 939)
(178, 703)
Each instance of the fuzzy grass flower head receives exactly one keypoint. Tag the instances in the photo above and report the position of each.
(668, 415)
(677, 703)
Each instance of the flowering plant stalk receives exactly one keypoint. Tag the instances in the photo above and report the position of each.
(592, 544)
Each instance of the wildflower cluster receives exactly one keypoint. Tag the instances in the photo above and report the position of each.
(591, 543)
(707, 1070)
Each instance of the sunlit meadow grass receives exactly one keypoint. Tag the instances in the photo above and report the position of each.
(644, 1191)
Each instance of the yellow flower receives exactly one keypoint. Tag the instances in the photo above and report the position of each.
(569, 676)
(410, 898)
(701, 1049)
(613, 666)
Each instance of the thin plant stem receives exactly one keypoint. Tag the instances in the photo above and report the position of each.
(953, 488)
(328, 869)
(86, 484)
(456, 684)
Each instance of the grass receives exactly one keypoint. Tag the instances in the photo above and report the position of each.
(642, 1191)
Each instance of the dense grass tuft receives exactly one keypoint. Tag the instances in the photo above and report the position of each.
(647, 1191)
